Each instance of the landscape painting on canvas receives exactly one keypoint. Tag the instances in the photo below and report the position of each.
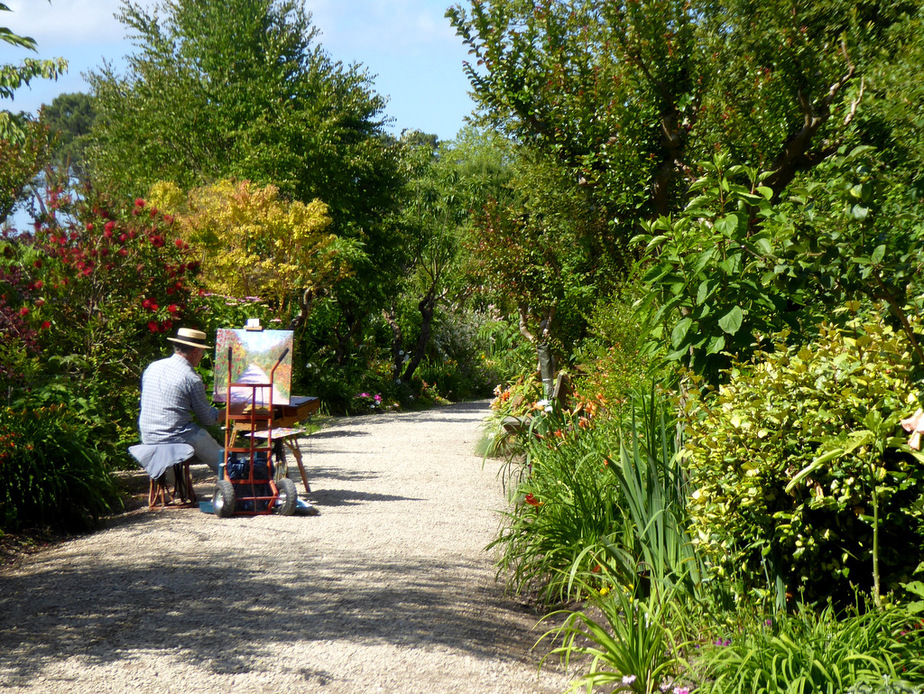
(252, 355)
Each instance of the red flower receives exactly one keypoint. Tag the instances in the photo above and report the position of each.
(532, 501)
(173, 309)
(153, 326)
(37, 264)
(146, 303)
(122, 237)
(39, 284)
(45, 325)
(179, 244)
(139, 202)
(24, 311)
(89, 226)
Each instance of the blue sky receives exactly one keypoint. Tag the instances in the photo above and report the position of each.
(408, 45)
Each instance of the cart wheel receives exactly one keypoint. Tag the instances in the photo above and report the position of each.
(288, 497)
(223, 499)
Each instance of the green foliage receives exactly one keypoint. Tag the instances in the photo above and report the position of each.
(809, 651)
(614, 357)
(565, 505)
(596, 500)
(24, 143)
(70, 118)
(633, 647)
(797, 461)
(51, 472)
(712, 271)
(624, 97)
(242, 91)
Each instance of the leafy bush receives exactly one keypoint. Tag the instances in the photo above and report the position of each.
(599, 502)
(632, 647)
(798, 464)
(614, 357)
(51, 473)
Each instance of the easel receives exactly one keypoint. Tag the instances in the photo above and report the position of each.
(282, 420)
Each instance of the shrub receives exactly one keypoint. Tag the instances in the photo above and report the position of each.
(51, 474)
(614, 357)
(798, 463)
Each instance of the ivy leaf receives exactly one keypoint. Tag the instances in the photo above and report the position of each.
(731, 321)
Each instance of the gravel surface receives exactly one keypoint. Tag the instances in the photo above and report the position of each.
(388, 589)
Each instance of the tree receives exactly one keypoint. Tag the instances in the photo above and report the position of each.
(240, 90)
(24, 144)
(255, 244)
(633, 101)
(628, 96)
(70, 118)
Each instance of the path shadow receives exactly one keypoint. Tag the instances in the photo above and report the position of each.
(349, 497)
(222, 613)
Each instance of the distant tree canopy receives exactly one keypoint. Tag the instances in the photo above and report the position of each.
(70, 118)
(241, 90)
(24, 143)
(627, 97)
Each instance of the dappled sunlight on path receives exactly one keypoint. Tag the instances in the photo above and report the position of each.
(387, 590)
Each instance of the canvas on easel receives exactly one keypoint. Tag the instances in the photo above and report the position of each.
(253, 355)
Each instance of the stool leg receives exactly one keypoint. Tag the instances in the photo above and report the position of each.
(158, 493)
(188, 494)
(297, 454)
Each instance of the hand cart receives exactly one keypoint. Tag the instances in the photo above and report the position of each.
(246, 484)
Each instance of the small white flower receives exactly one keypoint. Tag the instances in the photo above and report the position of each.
(628, 679)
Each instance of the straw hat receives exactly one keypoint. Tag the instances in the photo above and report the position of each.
(193, 338)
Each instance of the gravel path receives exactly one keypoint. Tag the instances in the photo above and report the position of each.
(387, 590)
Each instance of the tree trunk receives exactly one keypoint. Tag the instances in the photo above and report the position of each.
(426, 306)
(397, 342)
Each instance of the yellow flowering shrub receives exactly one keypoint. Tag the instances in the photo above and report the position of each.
(254, 243)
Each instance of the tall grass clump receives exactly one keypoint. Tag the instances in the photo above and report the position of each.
(565, 502)
(51, 474)
(817, 651)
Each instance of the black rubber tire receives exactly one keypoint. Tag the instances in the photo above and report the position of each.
(288, 497)
(223, 499)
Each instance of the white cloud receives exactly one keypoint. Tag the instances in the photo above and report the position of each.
(66, 22)
(397, 27)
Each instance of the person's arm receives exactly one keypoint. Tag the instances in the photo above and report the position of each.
(205, 413)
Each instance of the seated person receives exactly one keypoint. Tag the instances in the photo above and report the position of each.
(172, 392)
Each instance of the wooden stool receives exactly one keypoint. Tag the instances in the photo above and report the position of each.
(160, 491)
(160, 459)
